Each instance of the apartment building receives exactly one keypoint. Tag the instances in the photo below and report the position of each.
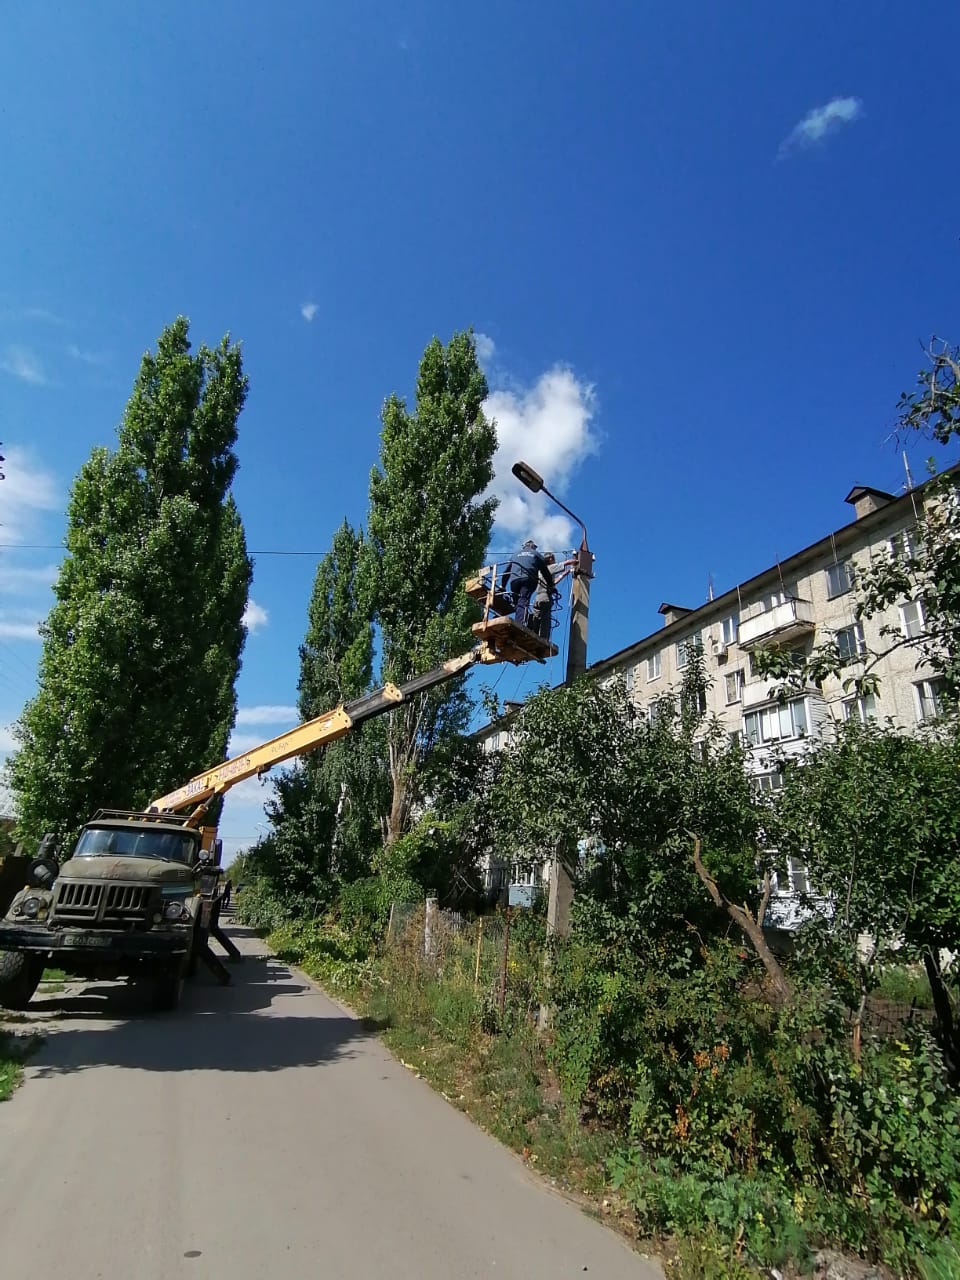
(799, 603)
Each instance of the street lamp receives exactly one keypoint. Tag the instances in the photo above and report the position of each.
(582, 573)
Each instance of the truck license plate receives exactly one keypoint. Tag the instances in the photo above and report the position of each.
(88, 940)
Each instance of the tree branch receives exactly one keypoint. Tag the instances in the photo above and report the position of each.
(780, 983)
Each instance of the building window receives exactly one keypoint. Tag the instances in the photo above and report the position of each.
(653, 667)
(929, 694)
(687, 648)
(733, 685)
(629, 678)
(839, 579)
(728, 629)
(903, 545)
(793, 879)
(655, 710)
(850, 642)
(524, 873)
(774, 599)
(767, 782)
(776, 724)
(799, 880)
(734, 736)
(913, 619)
(862, 708)
(696, 701)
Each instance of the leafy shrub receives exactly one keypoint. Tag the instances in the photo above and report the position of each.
(903, 985)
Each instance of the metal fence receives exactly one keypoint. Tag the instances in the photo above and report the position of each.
(499, 956)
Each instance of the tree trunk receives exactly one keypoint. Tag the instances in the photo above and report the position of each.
(782, 987)
(947, 1032)
(399, 813)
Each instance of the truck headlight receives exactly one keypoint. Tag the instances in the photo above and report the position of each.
(175, 910)
(31, 907)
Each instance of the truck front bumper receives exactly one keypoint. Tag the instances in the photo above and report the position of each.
(131, 946)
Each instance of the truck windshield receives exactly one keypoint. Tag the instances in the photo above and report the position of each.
(124, 842)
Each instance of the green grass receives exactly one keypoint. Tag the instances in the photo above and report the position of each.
(53, 980)
(14, 1051)
(902, 985)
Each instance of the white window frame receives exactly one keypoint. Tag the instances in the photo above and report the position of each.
(654, 710)
(774, 599)
(859, 642)
(766, 783)
(862, 707)
(736, 675)
(729, 628)
(785, 718)
(654, 667)
(929, 698)
(920, 623)
(903, 545)
(799, 876)
(684, 647)
(843, 568)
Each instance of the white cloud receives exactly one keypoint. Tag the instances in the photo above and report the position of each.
(548, 426)
(267, 714)
(8, 742)
(16, 580)
(44, 314)
(252, 793)
(240, 743)
(254, 615)
(309, 310)
(12, 629)
(486, 347)
(27, 491)
(820, 122)
(21, 362)
(98, 359)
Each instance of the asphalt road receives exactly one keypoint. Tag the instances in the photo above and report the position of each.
(259, 1133)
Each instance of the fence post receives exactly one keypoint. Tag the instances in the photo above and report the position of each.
(429, 926)
(476, 970)
(503, 970)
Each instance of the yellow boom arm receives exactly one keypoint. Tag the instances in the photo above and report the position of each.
(500, 640)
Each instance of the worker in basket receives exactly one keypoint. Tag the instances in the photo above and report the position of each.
(544, 601)
(527, 569)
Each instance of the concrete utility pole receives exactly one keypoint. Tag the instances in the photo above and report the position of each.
(563, 864)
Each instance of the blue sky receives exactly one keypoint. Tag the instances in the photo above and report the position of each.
(703, 243)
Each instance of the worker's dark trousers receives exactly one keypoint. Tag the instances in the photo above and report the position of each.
(541, 620)
(521, 590)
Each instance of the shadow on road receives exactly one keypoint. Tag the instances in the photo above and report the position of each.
(252, 1025)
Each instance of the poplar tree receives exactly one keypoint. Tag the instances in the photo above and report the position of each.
(428, 528)
(142, 647)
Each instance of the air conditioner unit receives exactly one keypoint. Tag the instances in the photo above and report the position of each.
(718, 649)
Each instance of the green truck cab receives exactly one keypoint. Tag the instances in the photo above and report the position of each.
(129, 902)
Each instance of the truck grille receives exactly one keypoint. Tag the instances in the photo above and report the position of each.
(79, 902)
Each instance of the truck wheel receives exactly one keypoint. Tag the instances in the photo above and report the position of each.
(169, 988)
(19, 977)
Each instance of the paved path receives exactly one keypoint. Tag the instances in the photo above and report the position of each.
(260, 1134)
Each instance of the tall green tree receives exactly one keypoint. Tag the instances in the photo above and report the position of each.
(325, 815)
(428, 527)
(142, 648)
(875, 815)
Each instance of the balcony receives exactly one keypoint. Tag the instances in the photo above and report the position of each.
(788, 621)
(757, 693)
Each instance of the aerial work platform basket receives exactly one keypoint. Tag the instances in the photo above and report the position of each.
(508, 639)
